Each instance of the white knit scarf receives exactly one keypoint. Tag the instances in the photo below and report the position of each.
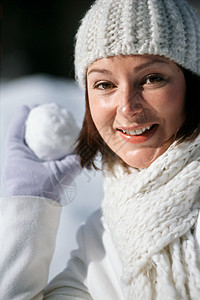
(151, 214)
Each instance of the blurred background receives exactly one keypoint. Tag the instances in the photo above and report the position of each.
(38, 36)
(37, 45)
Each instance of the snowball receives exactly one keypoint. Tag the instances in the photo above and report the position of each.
(51, 131)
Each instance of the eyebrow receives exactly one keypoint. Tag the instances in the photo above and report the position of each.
(136, 69)
(102, 71)
(148, 64)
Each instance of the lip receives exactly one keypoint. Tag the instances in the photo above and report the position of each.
(134, 127)
(137, 139)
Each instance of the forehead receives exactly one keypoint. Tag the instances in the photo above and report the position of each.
(130, 61)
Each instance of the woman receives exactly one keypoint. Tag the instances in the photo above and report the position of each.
(139, 63)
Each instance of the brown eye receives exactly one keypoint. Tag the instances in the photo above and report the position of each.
(154, 78)
(103, 85)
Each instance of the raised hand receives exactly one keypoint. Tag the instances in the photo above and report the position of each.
(26, 175)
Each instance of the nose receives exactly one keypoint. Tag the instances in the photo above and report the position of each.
(130, 103)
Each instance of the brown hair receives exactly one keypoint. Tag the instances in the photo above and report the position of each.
(90, 143)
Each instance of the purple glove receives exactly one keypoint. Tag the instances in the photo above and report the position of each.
(26, 175)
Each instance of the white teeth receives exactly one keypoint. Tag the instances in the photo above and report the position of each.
(137, 131)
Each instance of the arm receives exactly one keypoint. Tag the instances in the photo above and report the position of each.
(94, 270)
(29, 216)
(28, 227)
(71, 283)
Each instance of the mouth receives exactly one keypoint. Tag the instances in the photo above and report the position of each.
(138, 135)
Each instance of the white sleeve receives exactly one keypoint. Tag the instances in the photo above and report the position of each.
(28, 227)
(71, 284)
(89, 273)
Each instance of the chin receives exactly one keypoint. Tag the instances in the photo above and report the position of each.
(142, 159)
(138, 164)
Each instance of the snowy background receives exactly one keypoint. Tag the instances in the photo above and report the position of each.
(40, 89)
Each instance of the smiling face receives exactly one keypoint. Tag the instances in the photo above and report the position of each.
(137, 105)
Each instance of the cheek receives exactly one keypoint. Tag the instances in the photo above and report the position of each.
(101, 113)
(96, 113)
(169, 104)
(174, 107)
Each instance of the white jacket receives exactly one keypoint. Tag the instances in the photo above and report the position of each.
(28, 227)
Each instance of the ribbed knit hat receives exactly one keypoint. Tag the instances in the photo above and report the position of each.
(168, 28)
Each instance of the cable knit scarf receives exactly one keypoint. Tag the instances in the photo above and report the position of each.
(151, 214)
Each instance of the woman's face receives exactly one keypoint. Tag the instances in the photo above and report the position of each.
(137, 105)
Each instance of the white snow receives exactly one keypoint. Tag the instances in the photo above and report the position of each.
(51, 131)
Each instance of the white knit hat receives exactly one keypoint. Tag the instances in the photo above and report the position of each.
(168, 28)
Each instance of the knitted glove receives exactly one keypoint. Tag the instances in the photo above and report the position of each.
(26, 175)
